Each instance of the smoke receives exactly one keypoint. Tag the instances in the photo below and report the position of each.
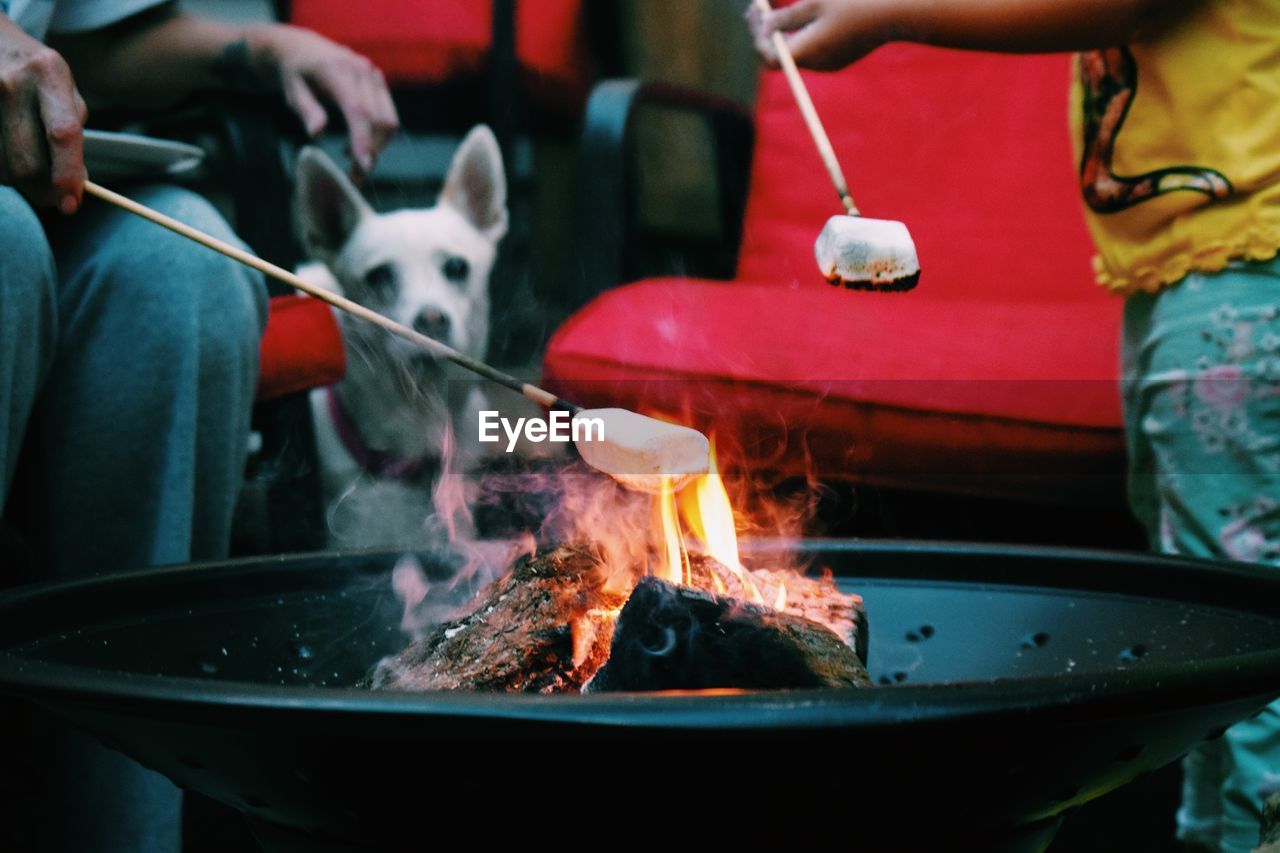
(492, 520)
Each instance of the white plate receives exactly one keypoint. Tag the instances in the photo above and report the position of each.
(127, 155)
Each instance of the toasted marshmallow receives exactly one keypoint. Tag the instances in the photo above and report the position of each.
(639, 451)
(867, 254)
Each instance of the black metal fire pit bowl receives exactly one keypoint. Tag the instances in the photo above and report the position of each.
(1017, 684)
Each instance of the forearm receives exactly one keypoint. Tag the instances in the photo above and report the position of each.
(830, 34)
(1025, 26)
(163, 57)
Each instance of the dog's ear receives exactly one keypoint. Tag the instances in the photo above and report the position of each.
(329, 207)
(476, 185)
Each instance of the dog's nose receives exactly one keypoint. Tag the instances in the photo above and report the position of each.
(433, 323)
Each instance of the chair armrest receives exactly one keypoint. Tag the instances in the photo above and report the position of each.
(613, 245)
(301, 348)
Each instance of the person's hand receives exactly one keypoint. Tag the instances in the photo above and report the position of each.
(312, 70)
(42, 120)
(825, 35)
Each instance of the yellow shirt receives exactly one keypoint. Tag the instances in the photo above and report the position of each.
(1179, 146)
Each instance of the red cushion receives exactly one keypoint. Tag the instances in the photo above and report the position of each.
(970, 150)
(301, 348)
(919, 393)
(427, 43)
(1002, 363)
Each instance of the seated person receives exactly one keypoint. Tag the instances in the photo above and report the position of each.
(128, 356)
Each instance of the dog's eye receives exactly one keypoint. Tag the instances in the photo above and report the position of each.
(381, 279)
(456, 269)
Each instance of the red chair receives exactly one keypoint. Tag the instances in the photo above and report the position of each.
(997, 376)
(456, 46)
(523, 68)
(301, 348)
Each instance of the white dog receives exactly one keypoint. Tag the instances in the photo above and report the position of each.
(383, 430)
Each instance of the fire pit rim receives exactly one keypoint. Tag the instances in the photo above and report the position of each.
(1159, 686)
(1054, 699)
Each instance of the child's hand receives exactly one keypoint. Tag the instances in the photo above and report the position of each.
(823, 34)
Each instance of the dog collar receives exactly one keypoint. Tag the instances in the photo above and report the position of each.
(379, 463)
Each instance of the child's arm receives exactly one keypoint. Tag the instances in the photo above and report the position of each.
(830, 34)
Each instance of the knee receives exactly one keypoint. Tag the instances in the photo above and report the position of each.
(27, 275)
(225, 287)
(224, 301)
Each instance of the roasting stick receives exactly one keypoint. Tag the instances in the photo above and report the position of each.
(810, 114)
(634, 449)
(855, 251)
(538, 395)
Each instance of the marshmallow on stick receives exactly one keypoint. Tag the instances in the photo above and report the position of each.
(639, 451)
(635, 450)
(867, 254)
(854, 251)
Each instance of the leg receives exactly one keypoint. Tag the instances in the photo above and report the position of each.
(1202, 412)
(28, 326)
(28, 334)
(136, 455)
(143, 422)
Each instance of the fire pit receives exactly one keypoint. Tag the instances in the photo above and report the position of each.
(1015, 684)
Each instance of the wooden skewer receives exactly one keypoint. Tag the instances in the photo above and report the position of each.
(533, 392)
(810, 113)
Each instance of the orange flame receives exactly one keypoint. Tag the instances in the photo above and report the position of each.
(709, 515)
(676, 565)
(704, 507)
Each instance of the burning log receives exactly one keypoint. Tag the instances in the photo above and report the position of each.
(678, 638)
(549, 626)
(815, 599)
(544, 628)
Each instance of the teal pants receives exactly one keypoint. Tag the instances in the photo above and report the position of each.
(128, 360)
(1202, 416)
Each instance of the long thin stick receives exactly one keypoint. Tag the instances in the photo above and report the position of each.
(533, 392)
(810, 113)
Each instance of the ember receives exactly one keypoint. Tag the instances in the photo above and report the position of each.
(543, 628)
(548, 625)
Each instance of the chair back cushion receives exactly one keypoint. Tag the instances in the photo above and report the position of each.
(998, 374)
(971, 150)
(426, 43)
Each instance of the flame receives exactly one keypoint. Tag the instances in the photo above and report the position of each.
(780, 600)
(626, 534)
(632, 534)
(585, 631)
(676, 566)
(707, 512)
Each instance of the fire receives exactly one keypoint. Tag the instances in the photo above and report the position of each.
(501, 623)
(707, 513)
(676, 563)
(633, 533)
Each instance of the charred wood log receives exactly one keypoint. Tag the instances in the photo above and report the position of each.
(547, 627)
(678, 638)
(543, 628)
(816, 599)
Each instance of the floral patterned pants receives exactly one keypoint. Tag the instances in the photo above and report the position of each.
(1202, 415)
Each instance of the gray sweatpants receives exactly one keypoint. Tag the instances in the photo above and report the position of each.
(128, 361)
